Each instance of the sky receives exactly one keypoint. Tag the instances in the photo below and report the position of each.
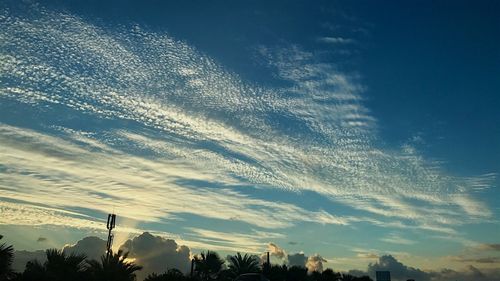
(350, 131)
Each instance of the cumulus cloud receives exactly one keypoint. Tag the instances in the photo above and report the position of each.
(157, 254)
(154, 253)
(401, 272)
(398, 270)
(312, 263)
(315, 263)
(93, 247)
(297, 259)
(275, 251)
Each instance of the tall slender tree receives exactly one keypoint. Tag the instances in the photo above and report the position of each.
(6, 258)
(208, 265)
(113, 267)
(58, 267)
(239, 264)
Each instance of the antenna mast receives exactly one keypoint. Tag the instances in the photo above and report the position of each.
(110, 225)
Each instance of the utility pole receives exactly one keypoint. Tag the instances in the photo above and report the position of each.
(192, 267)
(266, 267)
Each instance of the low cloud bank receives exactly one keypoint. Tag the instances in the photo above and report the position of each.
(402, 272)
(158, 254)
(154, 253)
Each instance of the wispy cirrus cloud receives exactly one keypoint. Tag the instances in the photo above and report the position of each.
(397, 239)
(335, 40)
(101, 181)
(169, 129)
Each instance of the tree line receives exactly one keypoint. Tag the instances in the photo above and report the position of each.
(114, 266)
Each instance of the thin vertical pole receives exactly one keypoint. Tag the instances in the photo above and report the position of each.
(110, 225)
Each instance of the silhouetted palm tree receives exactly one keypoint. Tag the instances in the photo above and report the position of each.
(6, 258)
(208, 265)
(34, 271)
(239, 264)
(59, 266)
(171, 275)
(113, 267)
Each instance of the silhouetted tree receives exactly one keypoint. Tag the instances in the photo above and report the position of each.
(277, 272)
(296, 273)
(6, 258)
(316, 276)
(330, 275)
(347, 277)
(58, 267)
(208, 265)
(171, 275)
(113, 267)
(34, 271)
(225, 275)
(363, 278)
(239, 264)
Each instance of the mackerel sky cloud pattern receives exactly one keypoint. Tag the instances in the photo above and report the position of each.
(126, 116)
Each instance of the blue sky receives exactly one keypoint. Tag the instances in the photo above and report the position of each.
(350, 130)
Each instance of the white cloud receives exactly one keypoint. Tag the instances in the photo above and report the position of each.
(194, 121)
(397, 239)
(297, 259)
(157, 254)
(315, 263)
(91, 246)
(275, 251)
(111, 179)
(335, 40)
(400, 271)
(154, 253)
(251, 242)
